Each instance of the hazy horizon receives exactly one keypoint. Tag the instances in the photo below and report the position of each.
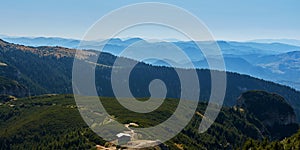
(227, 20)
(263, 40)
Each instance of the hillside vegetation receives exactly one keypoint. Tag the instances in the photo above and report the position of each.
(53, 122)
(291, 143)
(11, 87)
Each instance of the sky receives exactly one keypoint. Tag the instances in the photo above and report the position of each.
(226, 20)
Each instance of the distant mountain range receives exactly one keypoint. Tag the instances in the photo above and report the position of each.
(43, 41)
(276, 62)
(285, 41)
(116, 45)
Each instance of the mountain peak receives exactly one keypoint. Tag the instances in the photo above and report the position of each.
(260, 102)
(272, 110)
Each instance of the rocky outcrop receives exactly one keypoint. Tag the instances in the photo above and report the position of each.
(272, 110)
(268, 107)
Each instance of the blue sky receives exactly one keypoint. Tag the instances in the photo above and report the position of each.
(227, 20)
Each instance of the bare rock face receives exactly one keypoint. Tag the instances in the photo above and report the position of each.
(271, 109)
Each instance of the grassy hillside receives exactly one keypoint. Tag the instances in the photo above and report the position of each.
(47, 122)
(53, 122)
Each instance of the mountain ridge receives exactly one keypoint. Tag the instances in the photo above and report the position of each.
(249, 51)
(53, 74)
